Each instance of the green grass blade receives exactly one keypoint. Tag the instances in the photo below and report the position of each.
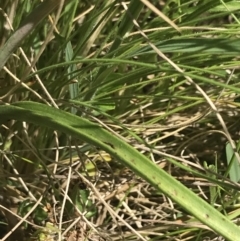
(126, 25)
(189, 45)
(73, 87)
(25, 29)
(233, 165)
(43, 115)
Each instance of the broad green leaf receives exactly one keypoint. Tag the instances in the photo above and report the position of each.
(87, 131)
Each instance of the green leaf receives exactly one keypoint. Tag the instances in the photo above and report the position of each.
(234, 167)
(230, 6)
(34, 18)
(38, 215)
(81, 128)
(73, 87)
(80, 199)
(189, 45)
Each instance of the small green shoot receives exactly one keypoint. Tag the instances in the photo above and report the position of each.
(233, 165)
(80, 198)
(212, 189)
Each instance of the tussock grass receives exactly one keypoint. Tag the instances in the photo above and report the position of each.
(166, 84)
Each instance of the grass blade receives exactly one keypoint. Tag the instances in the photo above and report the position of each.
(81, 128)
